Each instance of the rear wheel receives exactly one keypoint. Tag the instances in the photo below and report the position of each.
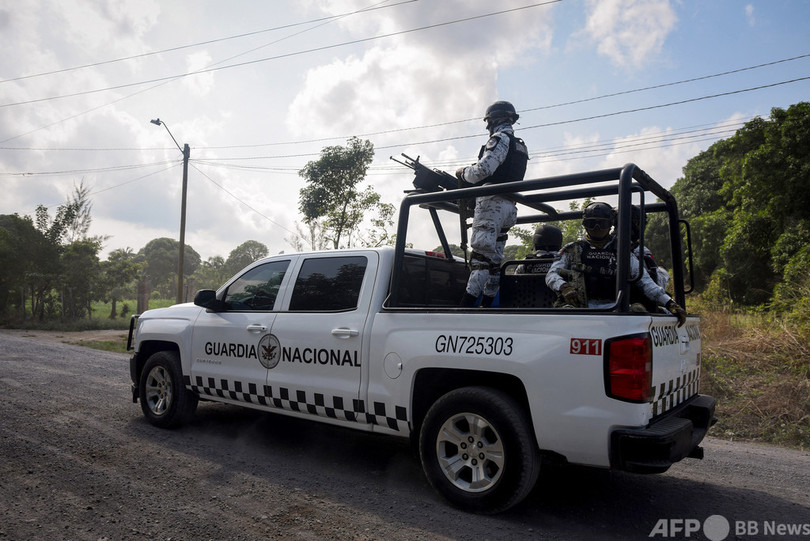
(478, 450)
(164, 399)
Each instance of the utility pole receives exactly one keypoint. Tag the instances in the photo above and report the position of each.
(182, 248)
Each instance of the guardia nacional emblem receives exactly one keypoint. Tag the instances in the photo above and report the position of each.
(269, 351)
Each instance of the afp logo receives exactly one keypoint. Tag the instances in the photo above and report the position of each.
(269, 351)
(715, 528)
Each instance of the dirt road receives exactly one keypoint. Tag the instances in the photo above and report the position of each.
(78, 461)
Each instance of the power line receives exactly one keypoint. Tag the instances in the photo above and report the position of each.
(242, 202)
(374, 6)
(664, 85)
(385, 132)
(703, 132)
(201, 43)
(84, 171)
(605, 115)
(128, 181)
(277, 57)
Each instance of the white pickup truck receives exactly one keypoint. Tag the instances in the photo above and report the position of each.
(373, 339)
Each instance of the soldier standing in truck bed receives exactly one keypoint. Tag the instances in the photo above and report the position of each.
(502, 159)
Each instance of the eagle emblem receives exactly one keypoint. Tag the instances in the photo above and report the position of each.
(269, 351)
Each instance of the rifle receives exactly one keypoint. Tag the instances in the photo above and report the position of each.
(433, 180)
(426, 179)
(576, 277)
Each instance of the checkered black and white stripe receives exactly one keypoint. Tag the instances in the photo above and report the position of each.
(334, 407)
(675, 391)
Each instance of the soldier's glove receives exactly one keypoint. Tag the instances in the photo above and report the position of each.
(679, 312)
(569, 294)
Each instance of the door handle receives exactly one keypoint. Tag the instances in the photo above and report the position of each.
(256, 327)
(343, 332)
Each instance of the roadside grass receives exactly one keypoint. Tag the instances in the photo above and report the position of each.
(758, 369)
(86, 324)
(115, 346)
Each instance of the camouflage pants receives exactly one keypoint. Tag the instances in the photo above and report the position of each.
(493, 217)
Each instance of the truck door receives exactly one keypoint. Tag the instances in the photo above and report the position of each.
(228, 359)
(319, 334)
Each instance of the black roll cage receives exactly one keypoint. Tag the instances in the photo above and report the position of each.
(536, 194)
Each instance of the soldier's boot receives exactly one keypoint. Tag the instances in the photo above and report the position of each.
(468, 300)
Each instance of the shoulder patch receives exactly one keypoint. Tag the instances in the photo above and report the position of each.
(493, 142)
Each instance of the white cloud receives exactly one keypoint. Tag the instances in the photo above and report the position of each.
(417, 78)
(629, 32)
(662, 163)
(749, 14)
(199, 84)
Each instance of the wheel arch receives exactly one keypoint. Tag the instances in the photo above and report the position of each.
(147, 349)
(431, 383)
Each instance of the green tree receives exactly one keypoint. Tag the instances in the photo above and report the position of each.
(118, 273)
(746, 198)
(46, 269)
(19, 240)
(211, 273)
(80, 274)
(159, 258)
(332, 193)
(81, 218)
(245, 254)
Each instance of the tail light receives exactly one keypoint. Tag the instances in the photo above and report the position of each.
(628, 368)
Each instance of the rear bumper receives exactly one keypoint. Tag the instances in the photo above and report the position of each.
(667, 440)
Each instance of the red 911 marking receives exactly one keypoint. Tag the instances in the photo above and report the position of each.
(586, 346)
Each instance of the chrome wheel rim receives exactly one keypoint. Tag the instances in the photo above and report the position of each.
(470, 452)
(158, 390)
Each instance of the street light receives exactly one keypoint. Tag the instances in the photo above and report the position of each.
(186, 153)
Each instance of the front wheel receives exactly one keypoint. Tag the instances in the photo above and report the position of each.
(164, 399)
(478, 449)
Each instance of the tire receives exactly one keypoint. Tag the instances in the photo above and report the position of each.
(506, 462)
(165, 401)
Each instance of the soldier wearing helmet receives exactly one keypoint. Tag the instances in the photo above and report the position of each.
(659, 274)
(585, 273)
(547, 241)
(502, 159)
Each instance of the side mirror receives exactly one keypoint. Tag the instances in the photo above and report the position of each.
(207, 298)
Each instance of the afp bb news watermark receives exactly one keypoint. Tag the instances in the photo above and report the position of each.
(718, 527)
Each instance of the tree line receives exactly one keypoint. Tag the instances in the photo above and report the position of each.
(51, 268)
(747, 199)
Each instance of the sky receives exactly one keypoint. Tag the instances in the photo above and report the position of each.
(258, 89)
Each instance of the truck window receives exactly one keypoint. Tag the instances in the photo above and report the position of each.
(432, 281)
(329, 284)
(257, 289)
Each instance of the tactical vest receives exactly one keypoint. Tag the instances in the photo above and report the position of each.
(600, 271)
(514, 166)
(538, 262)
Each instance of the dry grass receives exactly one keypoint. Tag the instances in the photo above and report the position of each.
(759, 372)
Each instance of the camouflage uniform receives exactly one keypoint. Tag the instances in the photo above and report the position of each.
(493, 216)
(647, 287)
